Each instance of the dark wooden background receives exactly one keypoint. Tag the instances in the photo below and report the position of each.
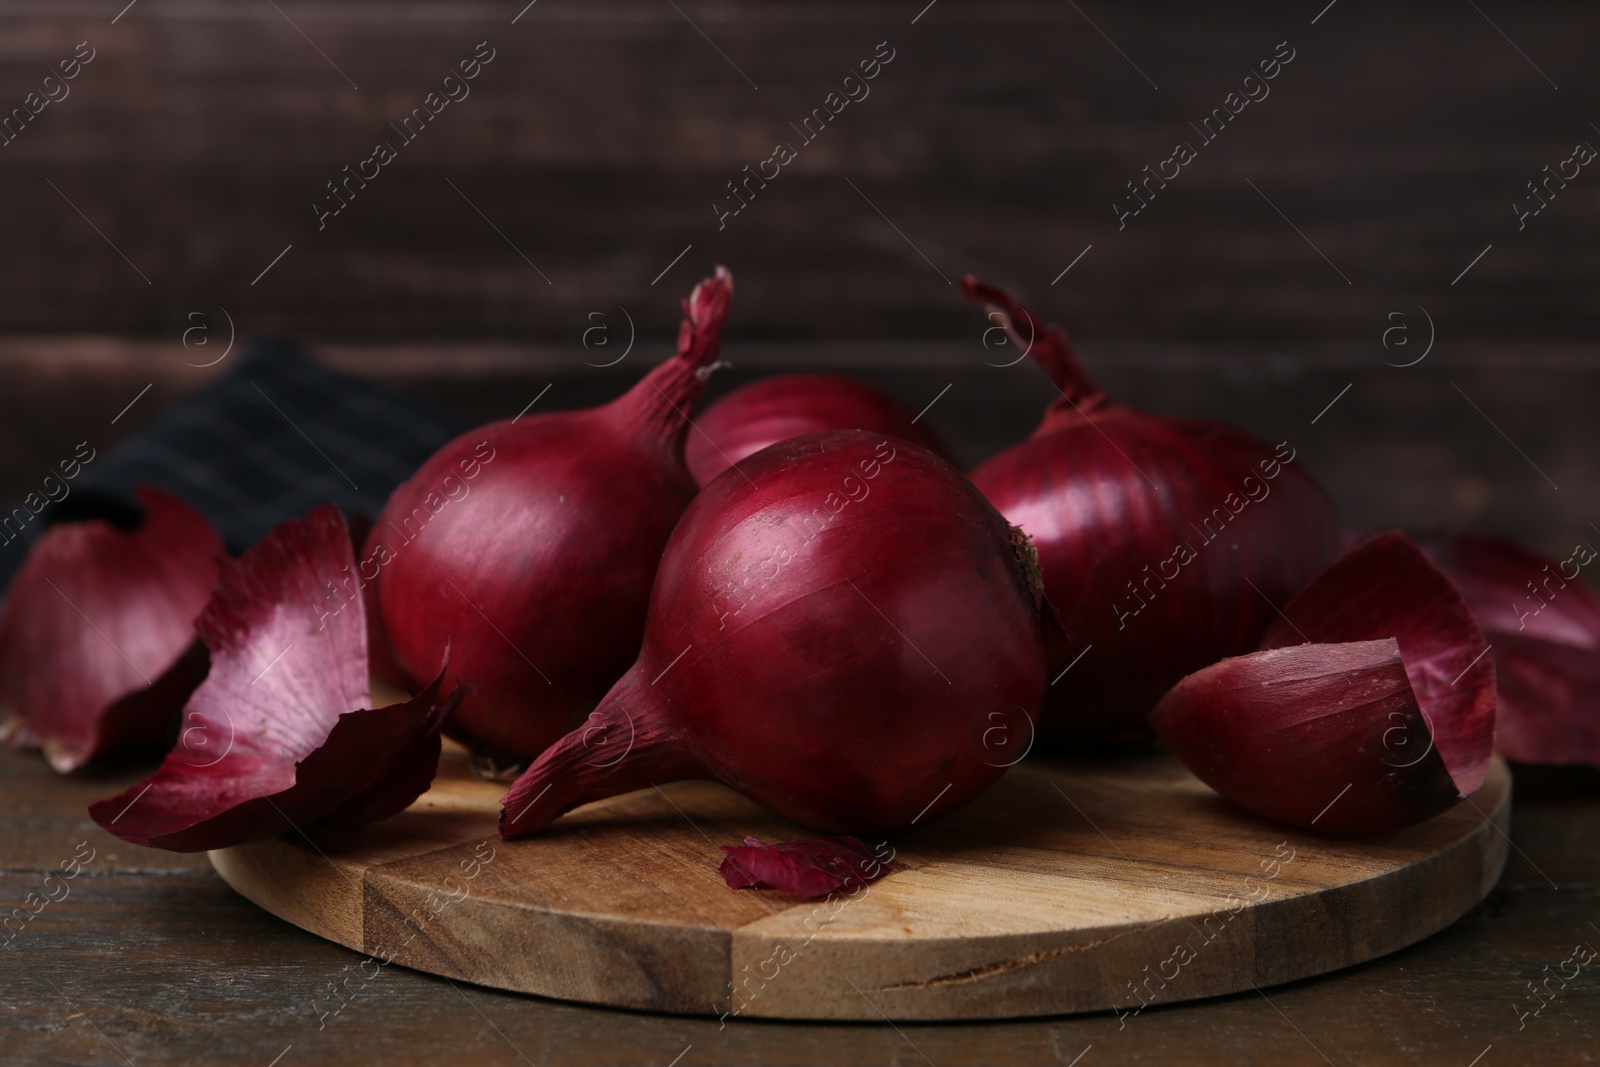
(996, 141)
(595, 143)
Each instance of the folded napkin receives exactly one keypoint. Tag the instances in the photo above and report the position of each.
(270, 439)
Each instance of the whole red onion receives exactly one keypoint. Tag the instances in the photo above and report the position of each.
(1165, 543)
(790, 405)
(525, 549)
(842, 629)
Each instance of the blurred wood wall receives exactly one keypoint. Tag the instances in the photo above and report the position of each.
(997, 141)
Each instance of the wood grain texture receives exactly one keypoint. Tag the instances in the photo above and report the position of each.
(1072, 886)
(997, 140)
(155, 955)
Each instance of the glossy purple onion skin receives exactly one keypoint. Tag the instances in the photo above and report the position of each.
(537, 579)
(1327, 737)
(1106, 491)
(791, 405)
(1544, 626)
(848, 681)
(97, 645)
(538, 596)
(1387, 588)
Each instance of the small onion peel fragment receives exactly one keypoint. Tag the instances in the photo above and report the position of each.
(97, 644)
(808, 867)
(1381, 716)
(278, 735)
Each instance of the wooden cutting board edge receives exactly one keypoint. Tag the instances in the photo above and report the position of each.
(1007, 976)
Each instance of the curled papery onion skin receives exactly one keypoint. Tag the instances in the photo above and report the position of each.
(1543, 621)
(1387, 588)
(278, 735)
(842, 629)
(1325, 737)
(1164, 542)
(527, 547)
(791, 405)
(97, 645)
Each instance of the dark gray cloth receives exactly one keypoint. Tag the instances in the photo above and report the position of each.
(265, 442)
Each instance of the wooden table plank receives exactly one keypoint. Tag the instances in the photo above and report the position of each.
(168, 962)
(998, 140)
(206, 970)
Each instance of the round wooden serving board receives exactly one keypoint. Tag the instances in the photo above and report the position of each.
(1070, 886)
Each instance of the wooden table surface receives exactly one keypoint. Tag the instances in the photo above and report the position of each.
(152, 959)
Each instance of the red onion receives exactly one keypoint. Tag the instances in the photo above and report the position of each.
(775, 409)
(842, 629)
(1543, 621)
(1372, 706)
(1164, 542)
(526, 548)
(97, 646)
(279, 735)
